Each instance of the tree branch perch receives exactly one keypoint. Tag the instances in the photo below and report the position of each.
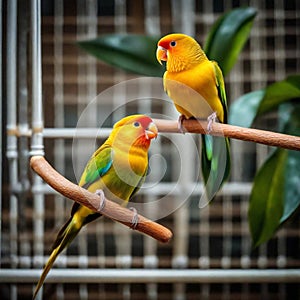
(246, 134)
(123, 215)
(111, 209)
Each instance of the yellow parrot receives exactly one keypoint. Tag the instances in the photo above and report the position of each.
(117, 169)
(196, 86)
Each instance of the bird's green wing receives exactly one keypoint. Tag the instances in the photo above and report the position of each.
(97, 166)
(221, 88)
(215, 156)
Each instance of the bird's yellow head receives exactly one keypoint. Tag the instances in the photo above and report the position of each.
(135, 130)
(180, 51)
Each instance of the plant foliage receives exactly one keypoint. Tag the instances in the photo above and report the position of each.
(276, 194)
(131, 52)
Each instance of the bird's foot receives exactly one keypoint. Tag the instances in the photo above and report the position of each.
(135, 218)
(210, 120)
(180, 124)
(100, 193)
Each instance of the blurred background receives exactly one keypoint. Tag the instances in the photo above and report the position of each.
(40, 111)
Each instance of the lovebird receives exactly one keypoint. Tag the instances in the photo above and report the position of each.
(118, 168)
(196, 86)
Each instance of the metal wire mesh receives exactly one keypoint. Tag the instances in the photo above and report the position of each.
(209, 239)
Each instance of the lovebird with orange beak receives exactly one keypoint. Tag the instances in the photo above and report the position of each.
(117, 169)
(196, 86)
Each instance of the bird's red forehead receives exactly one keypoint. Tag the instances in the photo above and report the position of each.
(165, 43)
(145, 121)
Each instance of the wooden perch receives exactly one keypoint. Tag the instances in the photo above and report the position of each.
(111, 209)
(123, 215)
(246, 134)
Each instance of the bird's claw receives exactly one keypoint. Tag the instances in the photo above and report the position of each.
(210, 120)
(135, 218)
(100, 193)
(180, 124)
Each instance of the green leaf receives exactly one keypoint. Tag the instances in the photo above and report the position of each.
(131, 52)
(136, 53)
(248, 107)
(289, 114)
(266, 200)
(228, 37)
(244, 110)
(292, 188)
(276, 192)
(280, 92)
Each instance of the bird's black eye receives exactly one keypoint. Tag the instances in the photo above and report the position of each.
(136, 124)
(173, 44)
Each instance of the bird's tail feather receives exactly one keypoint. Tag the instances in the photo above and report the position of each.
(215, 165)
(64, 238)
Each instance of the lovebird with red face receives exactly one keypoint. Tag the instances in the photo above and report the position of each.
(118, 168)
(196, 86)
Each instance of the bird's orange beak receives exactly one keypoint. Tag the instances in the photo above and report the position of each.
(151, 131)
(161, 54)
